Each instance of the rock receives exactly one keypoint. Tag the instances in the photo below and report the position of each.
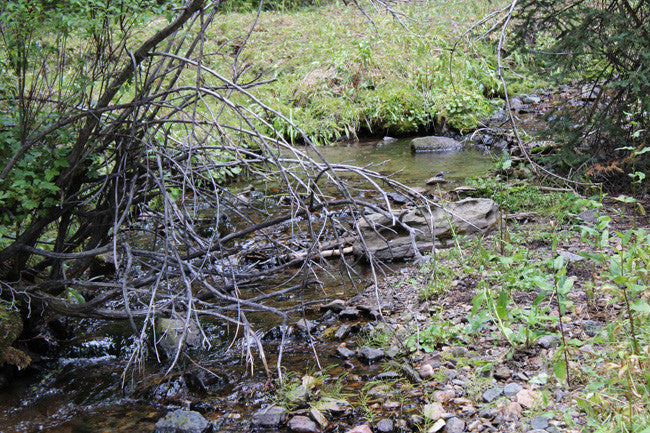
(437, 426)
(388, 375)
(349, 313)
(380, 391)
(337, 305)
(539, 422)
(365, 428)
(370, 355)
(571, 257)
(11, 326)
(491, 394)
(342, 332)
(588, 216)
(169, 332)
(460, 352)
(435, 180)
(548, 341)
(499, 116)
(502, 373)
(385, 426)
(447, 374)
(275, 333)
(426, 371)
(591, 327)
(512, 411)
(302, 424)
(511, 389)
(455, 425)
(589, 92)
(398, 198)
(386, 239)
(516, 104)
(318, 416)
(444, 396)
(415, 421)
(182, 421)
(344, 352)
(527, 398)
(433, 411)
(435, 144)
(272, 416)
(419, 190)
(305, 326)
(332, 406)
(530, 99)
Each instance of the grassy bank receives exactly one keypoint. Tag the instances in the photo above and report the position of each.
(334, 75)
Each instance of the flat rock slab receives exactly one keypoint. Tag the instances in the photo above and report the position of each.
(272, 416)
(370, 355)
(386, 236)
(435, 144)
(182, 421)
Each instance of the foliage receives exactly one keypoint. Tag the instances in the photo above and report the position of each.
(605, 47)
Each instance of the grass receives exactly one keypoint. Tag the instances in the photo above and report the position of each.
(334, 75)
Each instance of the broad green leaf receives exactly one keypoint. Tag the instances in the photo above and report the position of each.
(641, 306)
(559, 370)
(502, 305)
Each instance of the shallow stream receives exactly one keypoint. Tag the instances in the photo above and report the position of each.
(82, 391)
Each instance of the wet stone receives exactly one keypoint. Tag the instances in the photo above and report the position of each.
(370, 355)
(385, 426)
(365, 428)
(491, 394)
(388, 375)
(539, 422)
(349, 313)
(511, 389)
(548, 341)
(272, 416)
(182, 421)
(302, 424)
(344, 352)
(342, 332)
(455, 425)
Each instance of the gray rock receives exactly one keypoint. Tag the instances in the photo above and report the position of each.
(491, 394)
(588, 216)
(386, 239)
(385, 426)
(388, 375)
(460, 351)
(272, 416)
(499, 116)
(530, 99)
(349, 313)
(502, 373)
(548, 341)
(342, 332)
(591, 327)
(305, 325)
(435, 144)
(336, 305)
(537, 431)
(169, 332)
(344, 352)
(571, 257)
(302, 424)
(455, 425)
(398, 198)
(512, 389)
(333, 406)
(182, 421)
(370, 355)
(539, 422)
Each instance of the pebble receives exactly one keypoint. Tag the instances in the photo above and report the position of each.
(305, 325)
(444, 396)
(385, 426)
(302, 424)
(318, 416)
(491, 394)
(437, 426)
(388, 375)
(455, 425)
(365, 428)
(539, 422)
(344, 352)
(511, 389)
(433, 411)
(370, 355)
(476, 425)
(271, 416)
(502, 373)
(460, 351)
(527, 398)
(426, 371)
(342, 332)
(537, 431)
(182, 421)
(548, 341)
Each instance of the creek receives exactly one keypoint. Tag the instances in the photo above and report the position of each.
(79, 389)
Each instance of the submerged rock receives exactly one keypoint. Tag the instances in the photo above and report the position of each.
(385, 238)
(435, 144)
(169, 332)
(182, 421)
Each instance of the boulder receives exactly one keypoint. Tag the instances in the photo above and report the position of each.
(11, 326)
(182, 421)
(435, 144)
(386, 239)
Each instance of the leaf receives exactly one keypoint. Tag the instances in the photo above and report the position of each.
(559, 370)
(641, 306)
(502, 305)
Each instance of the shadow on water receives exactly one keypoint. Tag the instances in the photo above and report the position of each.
(82, 391)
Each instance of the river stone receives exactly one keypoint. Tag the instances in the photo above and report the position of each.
(385, 239)
(385, 426)
(169, 332)
(491, 394)
(388, 375)
(342, 332)
(435, 144)
(370, 354)
(272, 416)
(455, 425)
(302, 424)
(433, 411)
(344, 352)
(182, 421)
(332, 406)
(512, 389)
(319, 417)
(365, 428)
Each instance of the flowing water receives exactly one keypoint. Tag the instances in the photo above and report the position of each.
(82, 391)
